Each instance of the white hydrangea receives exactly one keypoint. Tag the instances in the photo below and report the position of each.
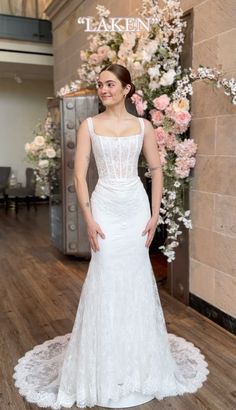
(50, 152)
(168, 78)
(43, 163)
(154, 72)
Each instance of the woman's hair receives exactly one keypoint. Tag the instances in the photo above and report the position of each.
(123, 75)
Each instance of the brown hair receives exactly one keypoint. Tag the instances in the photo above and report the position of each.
(123, 75)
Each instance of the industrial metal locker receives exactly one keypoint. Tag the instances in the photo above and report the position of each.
(67, 225)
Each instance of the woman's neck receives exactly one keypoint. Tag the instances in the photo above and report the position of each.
(116, 112)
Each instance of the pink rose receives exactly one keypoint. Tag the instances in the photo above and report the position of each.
(171, 142)
(140, 104)
(169, 111)
(157, 117)
(136, 98)
(161, 136)
(162, 102)
(94, 59)
(179, 129)
(182, 118)
(103, 51)
(141, 107)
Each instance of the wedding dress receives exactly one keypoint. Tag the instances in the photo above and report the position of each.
(119, 351)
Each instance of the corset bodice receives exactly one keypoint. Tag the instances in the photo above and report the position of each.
(116, 157)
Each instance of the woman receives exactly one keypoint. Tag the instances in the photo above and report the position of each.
(116, 117)
(119, 353)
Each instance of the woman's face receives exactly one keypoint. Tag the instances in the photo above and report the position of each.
(110, 90)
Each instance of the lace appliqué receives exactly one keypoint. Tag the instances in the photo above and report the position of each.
(37, 374)
(116, 157)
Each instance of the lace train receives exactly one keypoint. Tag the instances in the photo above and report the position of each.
(37, 373)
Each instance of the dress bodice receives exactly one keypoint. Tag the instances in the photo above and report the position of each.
(116, 157)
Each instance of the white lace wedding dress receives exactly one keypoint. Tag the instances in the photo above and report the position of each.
(119, 344)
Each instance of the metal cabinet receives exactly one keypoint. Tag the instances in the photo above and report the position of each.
(67, 225)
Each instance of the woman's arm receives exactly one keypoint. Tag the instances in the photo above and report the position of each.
(152, 157)
(82, 159)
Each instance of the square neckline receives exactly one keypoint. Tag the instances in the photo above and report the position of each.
(110, 136)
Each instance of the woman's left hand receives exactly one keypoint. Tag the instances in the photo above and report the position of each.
(150, 229)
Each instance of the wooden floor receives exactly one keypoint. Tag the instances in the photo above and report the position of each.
(39, 294)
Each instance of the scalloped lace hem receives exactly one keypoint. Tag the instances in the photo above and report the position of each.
(37, 376)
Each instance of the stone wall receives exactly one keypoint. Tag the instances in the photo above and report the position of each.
(213, 192)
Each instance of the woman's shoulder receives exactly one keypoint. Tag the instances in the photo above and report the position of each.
(148, 127)
(141, 118)
(97, 118)
(148, 123)
(87, 120)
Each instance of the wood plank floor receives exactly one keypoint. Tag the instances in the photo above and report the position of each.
(39, 294)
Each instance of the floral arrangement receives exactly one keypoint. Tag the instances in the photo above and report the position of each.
(43, 153)
(163, 95)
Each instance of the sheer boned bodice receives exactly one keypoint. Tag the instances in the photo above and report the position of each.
(116, 157)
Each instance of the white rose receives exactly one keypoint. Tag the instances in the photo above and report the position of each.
(33, 147)
(39, 141)
(43, 163)
(27, 147)
(168, 78)
(181, 105)
(97, 69)
(50, 152)
(111, 54)
(83, 55)
(140, 92)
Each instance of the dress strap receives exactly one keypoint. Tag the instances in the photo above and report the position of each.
(142, 124)
(90, 126)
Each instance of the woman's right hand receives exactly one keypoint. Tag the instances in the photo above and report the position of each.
(93, 230)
